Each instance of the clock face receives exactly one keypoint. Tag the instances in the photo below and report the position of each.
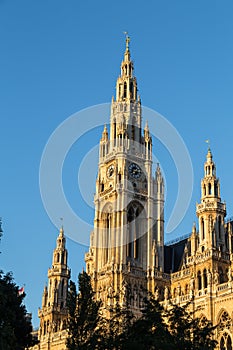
(110, 171)
(135, 170)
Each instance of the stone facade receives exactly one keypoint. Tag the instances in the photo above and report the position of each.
(52, 331)
(127, 254)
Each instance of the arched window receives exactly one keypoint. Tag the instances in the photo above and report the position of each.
(134, 221)
(221, 275)
(199, 280)
(219, 227)
(119, 91)
(205, 278)
(131, 89)
(62, 258)
(215, 189)
(125, 89)
(209, 187)
(224, 328)
(203, 228)
(204, 190)
(62, 287)
(225, 342)
(130, 69)
(114, 132)
(58, 257)
(130, 219)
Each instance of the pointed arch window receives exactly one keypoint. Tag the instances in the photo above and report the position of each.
(205, 278)
(62, 288)
(125, 89)
(219, 227)
(114, 132)
(133, 246)
(131, 89)
(203, 228)
(63, 258)
(130, 69)
(215, 189)
(225, 324)
(221, 275)
(209, 189)
(199, 286)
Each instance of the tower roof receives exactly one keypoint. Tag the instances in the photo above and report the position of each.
(209, 156)
(127, 50)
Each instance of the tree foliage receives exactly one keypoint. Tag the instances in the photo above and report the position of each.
(83, 315)
(15, 327)
(189, 332)
(159, 328)
(170, 329)
(116, 327)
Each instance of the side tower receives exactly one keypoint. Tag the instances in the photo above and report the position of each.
(211, 211)
(127, 243)
(53, 314)
(204, 274)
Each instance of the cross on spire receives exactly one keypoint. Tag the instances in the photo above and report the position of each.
(127, 40)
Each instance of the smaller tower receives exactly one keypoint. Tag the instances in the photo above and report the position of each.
(159, 192)
(53, 314)
(211, 211)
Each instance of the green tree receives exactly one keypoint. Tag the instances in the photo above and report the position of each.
(15, 327)
(150, 330)
(116, 327)
(84, 316)
(169, 329)
(189, 332)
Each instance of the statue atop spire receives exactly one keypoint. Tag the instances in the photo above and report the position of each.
(127, 40)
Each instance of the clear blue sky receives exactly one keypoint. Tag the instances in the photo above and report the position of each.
(58, 57)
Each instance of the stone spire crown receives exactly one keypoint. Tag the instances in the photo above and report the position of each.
(209, 166)
(126, 89)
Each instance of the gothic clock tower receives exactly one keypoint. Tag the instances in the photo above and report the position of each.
(126, 254)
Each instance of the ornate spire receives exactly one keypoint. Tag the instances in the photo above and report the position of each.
(211, 211)
(126, 83)
(209, 156)
(127, 51)
(53, 314)
(105, 133)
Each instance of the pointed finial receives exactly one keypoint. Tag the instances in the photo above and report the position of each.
(208, 143)
(209, 153)
(127, 40)
(61, 229)
(105, 133)
(146, 126)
